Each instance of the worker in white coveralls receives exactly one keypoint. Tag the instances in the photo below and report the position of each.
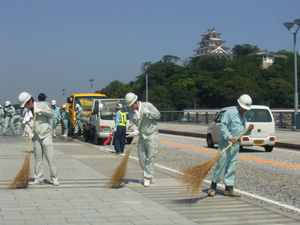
(148, 134)
(79, 126)
(56, 117)
(41, 136)
(9, 112)
(233, 124)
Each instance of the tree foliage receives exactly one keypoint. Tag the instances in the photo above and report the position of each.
(210, 82)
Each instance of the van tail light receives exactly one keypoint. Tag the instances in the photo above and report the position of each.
(272, 138)
(245, 139)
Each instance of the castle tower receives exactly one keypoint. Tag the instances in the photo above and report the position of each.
(212, 45)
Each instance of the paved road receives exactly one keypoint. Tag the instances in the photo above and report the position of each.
(285, 138)
(81, 198)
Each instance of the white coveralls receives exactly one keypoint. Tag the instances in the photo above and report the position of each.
(42, 140)
(148, 137)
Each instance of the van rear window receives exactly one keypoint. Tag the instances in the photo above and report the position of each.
(258, 115)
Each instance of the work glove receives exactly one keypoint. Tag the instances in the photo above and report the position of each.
(38, 111)
(31, 135)
(146, 111)
(115, 130)
(136, 133)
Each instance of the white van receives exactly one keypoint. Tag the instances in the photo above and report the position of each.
(100, 124)
(263, 133)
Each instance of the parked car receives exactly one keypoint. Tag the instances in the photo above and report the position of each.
(263, 133)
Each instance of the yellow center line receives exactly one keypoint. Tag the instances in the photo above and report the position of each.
(240, 156)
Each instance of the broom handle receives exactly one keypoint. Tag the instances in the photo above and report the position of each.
(231, 142)
(138, 127)
(29, 147)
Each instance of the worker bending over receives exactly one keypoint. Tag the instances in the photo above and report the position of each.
(233, 124)
(148, 134)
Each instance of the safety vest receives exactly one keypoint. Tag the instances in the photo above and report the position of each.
(123, 118)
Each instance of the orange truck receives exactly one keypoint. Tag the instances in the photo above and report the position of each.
(85, 100)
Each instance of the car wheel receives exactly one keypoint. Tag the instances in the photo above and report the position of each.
(268, 148)
(209, 141)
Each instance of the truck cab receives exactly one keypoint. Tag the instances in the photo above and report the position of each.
(85, 100)
(101, 121)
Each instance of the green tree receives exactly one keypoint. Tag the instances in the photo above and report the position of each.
(244, 49)
(279, 93)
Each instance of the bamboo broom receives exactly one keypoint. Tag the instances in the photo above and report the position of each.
(21, 180)
(192, 177)
(118, 177)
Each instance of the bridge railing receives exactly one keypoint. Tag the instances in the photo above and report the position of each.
(283, 117)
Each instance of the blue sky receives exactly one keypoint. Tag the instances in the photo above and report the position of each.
(50, 45)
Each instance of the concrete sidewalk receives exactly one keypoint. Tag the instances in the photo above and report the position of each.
(285, 138)
(81, 198)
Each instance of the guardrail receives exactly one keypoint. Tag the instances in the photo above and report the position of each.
(283, 117)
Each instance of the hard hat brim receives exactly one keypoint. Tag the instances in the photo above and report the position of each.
(25, 101)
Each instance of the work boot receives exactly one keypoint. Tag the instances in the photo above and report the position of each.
(55, 182)
(147, 182)
(212, 191)
(36, 182)
(229, 192)
(65, 133)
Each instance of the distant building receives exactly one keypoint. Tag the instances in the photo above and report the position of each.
(268, 58)
(212, 45)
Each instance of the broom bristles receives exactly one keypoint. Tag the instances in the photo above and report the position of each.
(118, 177)
(192, 177)
(21, 179)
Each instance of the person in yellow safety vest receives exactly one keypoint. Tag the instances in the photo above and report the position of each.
(120, 129)
(148, 134)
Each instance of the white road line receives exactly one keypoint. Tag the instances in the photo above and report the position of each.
(269, 201)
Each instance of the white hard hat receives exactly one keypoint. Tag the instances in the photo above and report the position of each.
(77, 106)
(53, 102)
(64, 106)
(130, 98)
(119, 106)
(23, 98)
(245, 102)
(0, 106)
(7, 103)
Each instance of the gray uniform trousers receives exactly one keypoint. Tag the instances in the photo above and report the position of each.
(42, 141)
(147, 151)
(148, 138)
(44, 147)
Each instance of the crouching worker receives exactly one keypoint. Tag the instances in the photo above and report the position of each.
(41, 136)
(79, 126)
(64, 120)
(148, 134)
(233, 124)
